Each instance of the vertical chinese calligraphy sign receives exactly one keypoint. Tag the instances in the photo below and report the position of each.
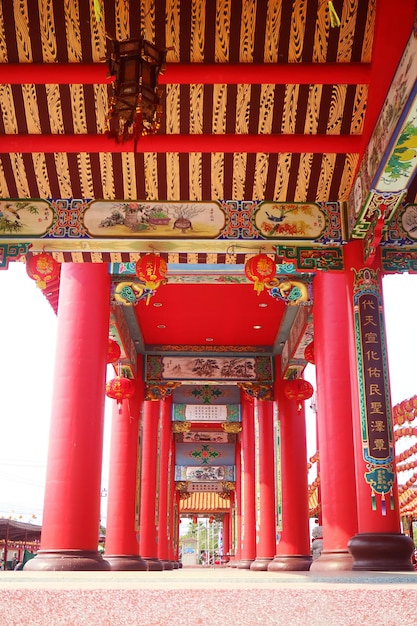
(374, 394)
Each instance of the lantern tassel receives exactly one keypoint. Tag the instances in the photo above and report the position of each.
(334, 18)
(383, 504)
(373, 500)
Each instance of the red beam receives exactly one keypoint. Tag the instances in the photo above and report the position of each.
(393, 27)
(183, 143)
(193, 73)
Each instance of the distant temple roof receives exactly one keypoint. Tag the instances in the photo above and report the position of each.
(12, 530)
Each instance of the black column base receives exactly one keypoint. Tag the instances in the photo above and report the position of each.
(381, 552)
(126, 563)
(332, 561)
(154, 565)
(244, 563)
(260, 564)
(290, 563)
(167, 565)
(67, 561)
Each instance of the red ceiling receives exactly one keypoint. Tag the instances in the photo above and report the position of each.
(227, 313)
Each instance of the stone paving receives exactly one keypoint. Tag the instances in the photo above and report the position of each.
(209, 597)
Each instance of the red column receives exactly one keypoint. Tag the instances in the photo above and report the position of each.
(71, 517)
(248, 550)
(334, 421)
(226, 532)
(266, 540)
(148, 499)
(236, 543)
(173, 509)
(122, 526)
(379, 544)
(293, 552)
(164, 510)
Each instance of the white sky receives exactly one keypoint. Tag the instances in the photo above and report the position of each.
(27, 355)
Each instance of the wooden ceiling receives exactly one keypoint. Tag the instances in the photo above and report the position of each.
(262, 100)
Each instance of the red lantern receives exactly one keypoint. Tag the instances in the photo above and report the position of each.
(261, 270)
(298, 389)
(113, 351)
(151, 269)
(43, 268)
(211, 519)
(120, 388)
(309, 352)
(194, 520)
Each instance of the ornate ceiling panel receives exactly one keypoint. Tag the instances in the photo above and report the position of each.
(261, 99)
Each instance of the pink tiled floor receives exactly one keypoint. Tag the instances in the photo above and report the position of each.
(210, 597)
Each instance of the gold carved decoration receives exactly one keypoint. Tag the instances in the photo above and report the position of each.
(160, 391)
(232, 427)
(181, 427)
(228, 485)
(256, 390)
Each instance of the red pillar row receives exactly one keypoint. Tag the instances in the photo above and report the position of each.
(149, 486)
(122, 547)
(379, 544)
(71, 517)
(164, 512)
(265, 484)
(294, 546)
(248, 513)
(334, 421)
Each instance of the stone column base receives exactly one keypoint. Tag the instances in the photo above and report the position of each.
(244, 563)
(332, 561)
(167, 565)
(290, 563)
(176, 564)
(126, 563)
(260, 564)
(67, 561)
(389, 552)
(154, 565)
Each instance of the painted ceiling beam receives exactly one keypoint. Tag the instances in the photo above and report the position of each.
(322, 144)
(193, 73)
(391, 25)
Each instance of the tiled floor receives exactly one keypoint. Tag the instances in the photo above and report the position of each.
(219, 596)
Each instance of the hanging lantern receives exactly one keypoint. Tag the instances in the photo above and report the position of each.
(120, 388)
(261, 270)
(298, 389)
(309, 352)
(211, 519)
(194, 520)
(151, 269)
(42, 268)
(113, 351)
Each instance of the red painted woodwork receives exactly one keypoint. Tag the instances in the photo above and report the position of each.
(72, 495)
(165, 505)
(237, 539)
(266, 533)
(369, 521)
(225, 143)
(248, 532)
(148, 496)
(121, 534)
(194, 73)
(295, 540)
(193, 312)
(334, 417)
